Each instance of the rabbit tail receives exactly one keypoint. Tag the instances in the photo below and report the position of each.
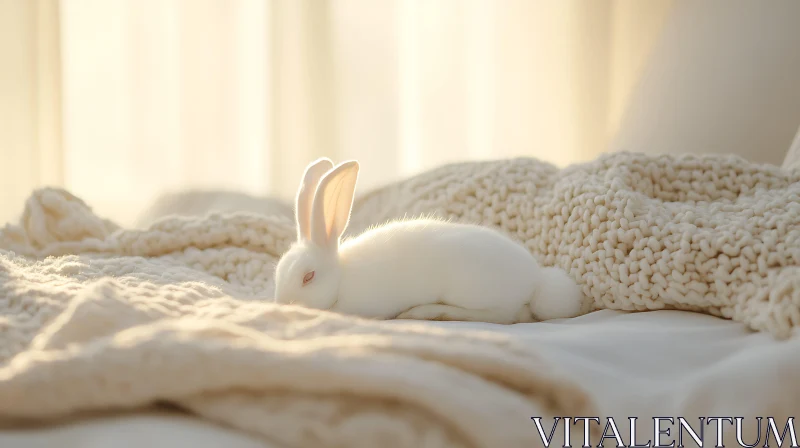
(557, 296)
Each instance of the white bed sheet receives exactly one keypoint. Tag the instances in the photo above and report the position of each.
(663, 363)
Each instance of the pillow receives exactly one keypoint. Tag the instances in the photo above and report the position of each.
(792, 160)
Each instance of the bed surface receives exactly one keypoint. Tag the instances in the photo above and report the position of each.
(663, 363)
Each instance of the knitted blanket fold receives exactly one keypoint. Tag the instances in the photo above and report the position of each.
(94, 316)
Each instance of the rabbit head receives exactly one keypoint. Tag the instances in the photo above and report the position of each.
(309, 272)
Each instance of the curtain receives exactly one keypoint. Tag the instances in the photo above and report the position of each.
(122, 100)
(31, 149)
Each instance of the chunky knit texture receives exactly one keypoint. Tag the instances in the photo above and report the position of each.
(95, 316)
(714, 234)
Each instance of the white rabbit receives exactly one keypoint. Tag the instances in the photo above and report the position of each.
(415, 269)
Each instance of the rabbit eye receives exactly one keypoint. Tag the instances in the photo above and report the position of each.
(308, 277)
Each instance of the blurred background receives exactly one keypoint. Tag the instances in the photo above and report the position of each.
(120, 101)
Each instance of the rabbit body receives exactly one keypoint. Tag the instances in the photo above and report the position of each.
(414, 269)
(404, 264)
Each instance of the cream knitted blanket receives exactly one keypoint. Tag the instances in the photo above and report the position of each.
(714, 234)
(93, 316)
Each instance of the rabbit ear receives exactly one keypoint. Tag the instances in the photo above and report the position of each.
(305, 195)
(332, 204)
